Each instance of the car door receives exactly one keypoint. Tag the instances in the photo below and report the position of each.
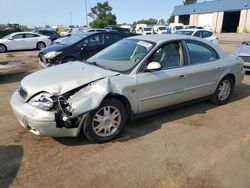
(91, 45)
(31, 40)
(167, 86)
(204, 70)
(16, 42)
(111, 38)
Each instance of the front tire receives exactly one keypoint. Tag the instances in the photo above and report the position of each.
(223, 91)
(2, 48)
(105, 123)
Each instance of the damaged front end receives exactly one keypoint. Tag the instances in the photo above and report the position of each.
(72, 107)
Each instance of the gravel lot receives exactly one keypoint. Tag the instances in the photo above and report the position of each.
(199, 145)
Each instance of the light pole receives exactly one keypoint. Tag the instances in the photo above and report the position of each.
(86, 12)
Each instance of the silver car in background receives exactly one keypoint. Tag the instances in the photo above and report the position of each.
(201, 33)
(244, 53)
(131, 78)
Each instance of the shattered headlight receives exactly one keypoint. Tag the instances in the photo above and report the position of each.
(43, 101)
(52, 55)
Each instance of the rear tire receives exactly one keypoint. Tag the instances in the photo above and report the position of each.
(105, 123)
(2, 48)
(223, 92)
(40, 45)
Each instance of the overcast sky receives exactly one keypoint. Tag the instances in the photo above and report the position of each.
(57, 12)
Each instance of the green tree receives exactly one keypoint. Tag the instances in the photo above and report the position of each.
(150, 21)
(171, 19)
(102, 15)
(161, 22)
(187, 2)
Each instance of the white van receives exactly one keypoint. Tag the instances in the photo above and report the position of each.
(160, 29)
(173, 27)
(139, 28)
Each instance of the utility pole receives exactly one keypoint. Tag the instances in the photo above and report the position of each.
(86, 12)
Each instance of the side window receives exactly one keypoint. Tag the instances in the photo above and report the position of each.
(169, 55)
(27, 35)
(18, 36)
(94, 40)
(111, 38)
(206, 34)
(46, 33)
(200, 53)
(198, 34)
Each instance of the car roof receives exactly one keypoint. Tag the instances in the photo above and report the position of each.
(194, 29)
(23, 33)
(159, 38)
(162, 38)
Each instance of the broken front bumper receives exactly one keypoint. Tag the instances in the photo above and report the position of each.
(38, 121)
(246, 66)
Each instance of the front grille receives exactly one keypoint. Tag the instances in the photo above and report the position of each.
(245, 58)
(246, 67)
(22, 92)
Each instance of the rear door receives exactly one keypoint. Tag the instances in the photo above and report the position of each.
(93, 44)
(111, 38)
(204, 70)
(31, 40)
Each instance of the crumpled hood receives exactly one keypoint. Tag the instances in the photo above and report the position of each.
(244, 50)
(62, 78)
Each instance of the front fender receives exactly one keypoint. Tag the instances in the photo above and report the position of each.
(89, 98)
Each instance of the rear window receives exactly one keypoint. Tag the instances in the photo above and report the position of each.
(200, 53)
(207, 34)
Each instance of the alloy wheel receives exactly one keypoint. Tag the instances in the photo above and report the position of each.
(106, 121)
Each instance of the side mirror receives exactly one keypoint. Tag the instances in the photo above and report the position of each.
(11, 38)
(244, 42)
(153, 66)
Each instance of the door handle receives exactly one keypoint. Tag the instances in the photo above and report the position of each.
(219, 68)
(182, 76)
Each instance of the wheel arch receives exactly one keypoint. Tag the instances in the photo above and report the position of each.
(230, 75)
(41, 42)
(68, 57)
(124, 101)
(4, 46)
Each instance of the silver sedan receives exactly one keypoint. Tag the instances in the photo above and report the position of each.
(244, 53)
(129, 79)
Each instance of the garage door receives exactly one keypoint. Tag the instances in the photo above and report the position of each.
(205, 20)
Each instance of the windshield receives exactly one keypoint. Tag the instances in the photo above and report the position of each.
(6, 37)
(184, 32)
(123, 55)
(147, 29)
(76, 37)
(162, 28)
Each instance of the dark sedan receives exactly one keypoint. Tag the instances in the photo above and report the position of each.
(79, 46)
(53, 35)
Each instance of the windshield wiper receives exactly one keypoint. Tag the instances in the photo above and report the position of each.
(95, 64)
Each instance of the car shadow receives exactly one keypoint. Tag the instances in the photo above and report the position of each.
(11, 51)
(12, 77)
(10, 162)
(154, 122)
